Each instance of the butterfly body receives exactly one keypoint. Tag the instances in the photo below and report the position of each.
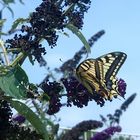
(99, 75)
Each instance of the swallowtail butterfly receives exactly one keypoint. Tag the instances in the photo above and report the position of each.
(99, 75)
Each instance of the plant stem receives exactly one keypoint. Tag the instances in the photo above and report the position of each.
(4, 52)
(69, 8)
(20, 57)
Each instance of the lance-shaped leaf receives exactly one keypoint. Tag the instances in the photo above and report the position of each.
(10, 9)
(8, 1)
(2, 21)
(14, 82)
(21, 1)
(18, 21)
(76, 31)
(31, 117)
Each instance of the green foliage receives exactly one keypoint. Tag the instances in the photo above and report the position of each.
(2, 21)
(8, 1)
(6, 4)
(14, 82)
(11, 1)
(31, 117)
(123, 138)
(18, 22)
(79, 35)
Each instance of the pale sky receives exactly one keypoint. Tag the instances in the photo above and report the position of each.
(121, 21)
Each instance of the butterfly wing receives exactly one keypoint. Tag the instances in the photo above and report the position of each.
(112, 62)
(99, 74)
(90, 74)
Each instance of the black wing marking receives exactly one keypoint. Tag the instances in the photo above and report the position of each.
(112, 62)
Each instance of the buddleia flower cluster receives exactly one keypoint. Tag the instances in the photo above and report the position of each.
(114, 119)
(80, 128)
(48, 18)
(122, 87)
(19, 119)
(78, 95)
(5, 116)
(52, 90)
(10, 127)
(107, 133)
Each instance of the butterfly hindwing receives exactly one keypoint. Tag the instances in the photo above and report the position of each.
(90, 74)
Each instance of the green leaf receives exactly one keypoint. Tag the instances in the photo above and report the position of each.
(10, 9)
(18, 22)
(2, 21)
(63, 33)
(33, 86)
(8, 1)
(20, 75)
(45, 97)
(31, 117)
(2, 33)
(21, 1)
(14, 82)
(31, 59)
(76, 31)
(66, 34)
(42, 113)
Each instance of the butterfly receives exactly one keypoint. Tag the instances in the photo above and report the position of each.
(99, 75)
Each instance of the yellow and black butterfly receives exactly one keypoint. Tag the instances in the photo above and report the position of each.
(99, 75)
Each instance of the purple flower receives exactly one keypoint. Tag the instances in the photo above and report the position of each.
(52, 90)
(80, 128)
(125, 105)
(19, 118)
(122, 87)
(78, 94)
(107, 133)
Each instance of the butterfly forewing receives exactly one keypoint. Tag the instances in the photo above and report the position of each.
(112, 62)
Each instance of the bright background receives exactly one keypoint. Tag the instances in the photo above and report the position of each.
(121, 21)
